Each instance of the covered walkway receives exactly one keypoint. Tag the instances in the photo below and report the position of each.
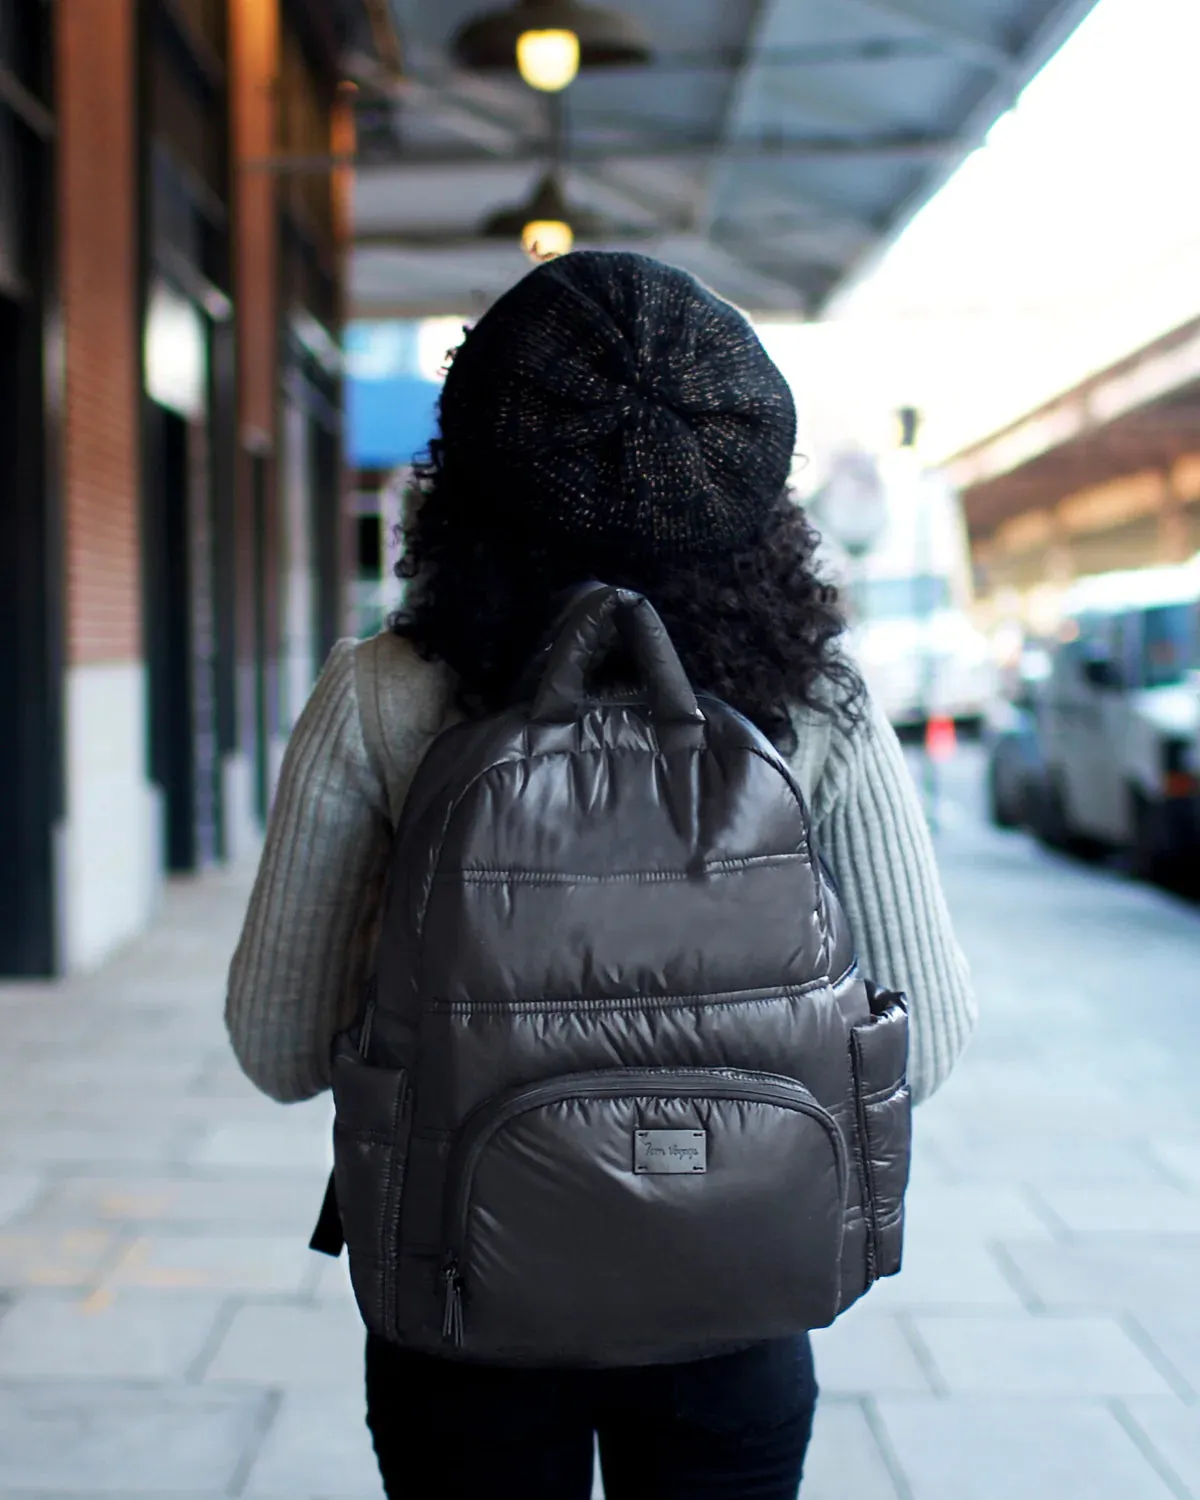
(164, 1330)
(1105, 476)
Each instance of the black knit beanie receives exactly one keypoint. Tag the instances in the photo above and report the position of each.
(609, 397)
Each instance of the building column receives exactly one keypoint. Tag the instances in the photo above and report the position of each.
(254, 62)
(1174, 532)
(111, 850)
(31, 553)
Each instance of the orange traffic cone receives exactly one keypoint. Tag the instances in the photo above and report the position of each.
(941, 739)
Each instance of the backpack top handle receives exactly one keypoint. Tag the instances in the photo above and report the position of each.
(596, 617)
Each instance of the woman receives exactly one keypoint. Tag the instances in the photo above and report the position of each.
(608, 418)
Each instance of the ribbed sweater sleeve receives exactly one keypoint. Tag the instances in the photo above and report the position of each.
(872, 832)
(298, 971)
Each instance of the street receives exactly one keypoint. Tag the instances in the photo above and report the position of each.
(164, 1329)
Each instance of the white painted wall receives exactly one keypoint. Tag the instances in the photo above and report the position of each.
(243, 837)
(276, 750)
(299, 664)
(111, 845)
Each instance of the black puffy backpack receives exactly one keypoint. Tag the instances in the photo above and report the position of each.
(619, 1094)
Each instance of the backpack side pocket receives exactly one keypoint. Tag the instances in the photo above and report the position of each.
(370, 1152)
(883, 1105)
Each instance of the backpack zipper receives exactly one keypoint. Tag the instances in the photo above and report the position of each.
(866, 1175)
(490, 1117)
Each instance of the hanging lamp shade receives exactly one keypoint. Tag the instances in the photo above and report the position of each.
(546, 225)
(549, 41)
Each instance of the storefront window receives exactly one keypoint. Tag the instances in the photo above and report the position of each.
(305, 104)
(1169, 645)
(206, 19)
(900, 598)
(9, 239)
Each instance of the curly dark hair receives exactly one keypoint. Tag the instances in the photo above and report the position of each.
(758, 628)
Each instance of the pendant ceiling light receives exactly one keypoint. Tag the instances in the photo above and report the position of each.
(549, 41)
(545, 226)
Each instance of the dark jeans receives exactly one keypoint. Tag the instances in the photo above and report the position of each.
(731, 1428)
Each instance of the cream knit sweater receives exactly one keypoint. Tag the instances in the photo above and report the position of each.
(309, 936)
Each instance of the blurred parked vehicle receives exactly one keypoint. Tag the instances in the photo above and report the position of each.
(918, 647)
(1016, 767)
(1119, 718)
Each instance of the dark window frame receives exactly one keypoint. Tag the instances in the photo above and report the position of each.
(32, 613)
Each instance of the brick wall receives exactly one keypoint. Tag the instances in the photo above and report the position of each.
(254, 33)
(254, 43)
(97, 202)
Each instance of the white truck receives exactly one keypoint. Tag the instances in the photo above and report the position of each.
(911, 594)
(1120, 719)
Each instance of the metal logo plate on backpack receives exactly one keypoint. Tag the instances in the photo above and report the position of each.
(670, 1151)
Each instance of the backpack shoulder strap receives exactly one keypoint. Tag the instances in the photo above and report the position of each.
(814, 735)
(404, 703)
(328, 1238)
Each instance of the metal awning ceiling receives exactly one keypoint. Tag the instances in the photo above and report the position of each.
(773, 147)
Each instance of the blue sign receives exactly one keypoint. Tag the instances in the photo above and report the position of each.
(391, 408)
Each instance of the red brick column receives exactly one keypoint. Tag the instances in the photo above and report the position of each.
(99, 270)
(254, 48)
(254, 67)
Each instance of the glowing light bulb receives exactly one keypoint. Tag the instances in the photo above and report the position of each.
(548, 60)
(544, 239)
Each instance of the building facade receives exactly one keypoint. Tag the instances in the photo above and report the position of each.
(171, 530)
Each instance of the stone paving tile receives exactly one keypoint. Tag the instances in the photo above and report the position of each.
(285, 1345)
(925, 1172)
(1173, 1328)
(332, 1281)
(234, 1264)
(864, 1352)
(68, 1258)
(1019, 1079)
(154, 1104)
(844, 1461)
(119, 1037)
(1172, 1433)
(299, 1143)
(1049, 1356)
(967, 1210)
(252, 1201)
(118, 1105)
(978, 1449)
(1061, 1162)
(1126, 1271)
(1180, 1158)
(97, 1062)
(317, 1445)
(1038, 1111)
(129, 1439)
(78, 1144)
(1047, 1118)
(19, 1191)
(1116, 1210)
(131, 1336)
(945, 1272)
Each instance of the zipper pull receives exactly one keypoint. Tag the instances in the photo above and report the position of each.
(452, 1317)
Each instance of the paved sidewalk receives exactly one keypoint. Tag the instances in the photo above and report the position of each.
(164, 1331)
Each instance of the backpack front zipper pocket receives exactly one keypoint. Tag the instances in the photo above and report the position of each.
(597, 1214)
